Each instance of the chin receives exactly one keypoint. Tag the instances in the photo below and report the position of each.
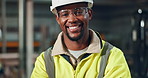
(75, 38)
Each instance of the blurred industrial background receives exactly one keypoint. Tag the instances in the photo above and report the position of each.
(27, 27)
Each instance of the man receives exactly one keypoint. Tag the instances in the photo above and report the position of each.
(80, 44)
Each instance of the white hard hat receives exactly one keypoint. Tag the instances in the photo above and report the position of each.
(57, 3)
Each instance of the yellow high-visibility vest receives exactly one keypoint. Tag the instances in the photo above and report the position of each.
(89, 67)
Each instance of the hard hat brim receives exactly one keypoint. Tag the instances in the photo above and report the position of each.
(53, 7)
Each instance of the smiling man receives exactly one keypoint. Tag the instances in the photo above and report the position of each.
(73, 20)
(78, 51)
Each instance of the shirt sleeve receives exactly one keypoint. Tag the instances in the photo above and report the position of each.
(117, 66)
(39, 70)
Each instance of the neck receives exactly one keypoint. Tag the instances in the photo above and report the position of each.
(77, 45)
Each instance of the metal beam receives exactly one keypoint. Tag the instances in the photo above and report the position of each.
(4, 27)
(29, 37)
(21, 37)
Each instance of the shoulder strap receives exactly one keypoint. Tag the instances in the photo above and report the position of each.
(104, 57)
(49, 63)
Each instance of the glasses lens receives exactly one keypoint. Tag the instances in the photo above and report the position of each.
(79, 11)
(63, 13)
(76, 11)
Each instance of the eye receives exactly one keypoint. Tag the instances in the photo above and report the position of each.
(78, 11)
(64, 14)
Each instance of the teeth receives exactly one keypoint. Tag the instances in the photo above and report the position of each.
(73, 27)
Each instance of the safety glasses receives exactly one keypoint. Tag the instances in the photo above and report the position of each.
(76, 12)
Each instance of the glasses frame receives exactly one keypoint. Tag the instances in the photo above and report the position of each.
(74, 11)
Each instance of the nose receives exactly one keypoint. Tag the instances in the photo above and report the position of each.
(72, 18)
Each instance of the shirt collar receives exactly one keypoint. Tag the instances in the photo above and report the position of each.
(94, 46)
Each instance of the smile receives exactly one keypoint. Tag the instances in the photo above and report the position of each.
(75, 27)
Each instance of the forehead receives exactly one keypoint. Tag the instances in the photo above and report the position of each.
(71, 6)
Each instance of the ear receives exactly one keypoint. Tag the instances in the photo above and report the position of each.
(90, 13)
(57, 19)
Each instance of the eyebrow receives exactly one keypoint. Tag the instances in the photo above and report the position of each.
(85, 4)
